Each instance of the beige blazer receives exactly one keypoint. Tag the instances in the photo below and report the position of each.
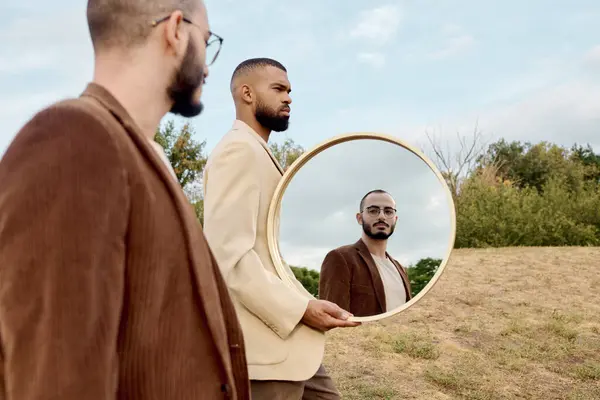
(239, 180)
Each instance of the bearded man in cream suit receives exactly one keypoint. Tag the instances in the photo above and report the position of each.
(283, 326)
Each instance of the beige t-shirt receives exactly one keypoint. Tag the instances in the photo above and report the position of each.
(395, 293)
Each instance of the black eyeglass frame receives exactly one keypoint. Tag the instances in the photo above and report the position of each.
(379, 210)
(217, 38)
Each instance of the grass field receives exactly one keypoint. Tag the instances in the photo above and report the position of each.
(518, 323)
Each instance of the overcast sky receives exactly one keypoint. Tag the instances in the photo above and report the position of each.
(526, 70)
(318, 211)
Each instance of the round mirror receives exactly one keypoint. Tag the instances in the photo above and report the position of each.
(364, 221)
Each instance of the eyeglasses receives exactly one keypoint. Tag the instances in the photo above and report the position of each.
(374, 211)
(213, 38)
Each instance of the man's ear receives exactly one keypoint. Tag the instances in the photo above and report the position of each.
(175, 37)
(359, 218)
(246, 93)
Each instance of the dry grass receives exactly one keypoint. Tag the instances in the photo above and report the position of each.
(518, 323)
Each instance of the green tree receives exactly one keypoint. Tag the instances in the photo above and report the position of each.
(187, 158)
(286, 153)
(533, 165)
(184, 153)
(492, 212)
(421, 273)
(589, 159)
(309, 278)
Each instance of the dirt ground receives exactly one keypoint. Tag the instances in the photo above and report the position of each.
(514, 323)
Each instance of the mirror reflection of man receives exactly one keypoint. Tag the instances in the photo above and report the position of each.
(283, 326)
(362, 277)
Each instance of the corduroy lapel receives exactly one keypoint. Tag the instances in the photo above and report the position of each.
(363, 251)
(211, 304)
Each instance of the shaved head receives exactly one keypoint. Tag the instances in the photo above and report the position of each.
(127, 23)
(376, 191)
(246, 70)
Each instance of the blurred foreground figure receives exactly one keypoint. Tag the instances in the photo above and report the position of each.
(108, 289)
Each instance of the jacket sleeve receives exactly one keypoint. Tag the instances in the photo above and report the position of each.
(334, 280)
(63, 205)
(231, 205)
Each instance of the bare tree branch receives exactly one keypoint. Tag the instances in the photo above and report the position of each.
(456, 165)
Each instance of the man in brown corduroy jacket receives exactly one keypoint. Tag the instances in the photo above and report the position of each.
(108, 289)
(362, 277)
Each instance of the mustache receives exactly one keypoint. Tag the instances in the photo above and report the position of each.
(381, 223)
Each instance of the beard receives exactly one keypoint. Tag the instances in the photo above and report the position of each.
(186, 81)
(270, 118)
(368, 229)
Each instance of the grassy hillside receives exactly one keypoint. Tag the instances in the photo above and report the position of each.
(515, 323)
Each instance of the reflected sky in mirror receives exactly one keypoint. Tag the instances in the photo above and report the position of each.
(319, 207)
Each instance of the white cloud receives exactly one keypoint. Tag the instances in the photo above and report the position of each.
(452, 30)
(555, 110)
(376, 60)
(379, 24)
(455, 44)
(592, 58)
(564, 114)
(434, 202)
(30, 61)
(303, 256)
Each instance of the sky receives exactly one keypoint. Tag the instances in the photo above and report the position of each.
(526, 71)
(319, 207)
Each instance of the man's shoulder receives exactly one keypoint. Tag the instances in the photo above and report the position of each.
(236, 142)
(72, 112)
(344, 250)
(68, 133)
(69, 125)
(70, 107)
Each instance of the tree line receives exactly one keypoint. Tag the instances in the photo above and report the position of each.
(506, 193)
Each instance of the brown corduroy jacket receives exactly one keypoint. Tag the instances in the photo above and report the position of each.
(349, 278)
(108, 289)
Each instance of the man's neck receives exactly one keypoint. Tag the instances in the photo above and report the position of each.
(377, 247)
(254, 124)
(144, 99)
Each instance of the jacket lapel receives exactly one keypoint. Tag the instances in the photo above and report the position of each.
(363, 251)
(239, 125)
(212, 305)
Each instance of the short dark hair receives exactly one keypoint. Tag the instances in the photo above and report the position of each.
(126, 23)
(255, 63)
(362, 201)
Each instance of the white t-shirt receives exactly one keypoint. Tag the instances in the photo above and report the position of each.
(395, 293)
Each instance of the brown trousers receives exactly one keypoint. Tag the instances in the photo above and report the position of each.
(320, 387)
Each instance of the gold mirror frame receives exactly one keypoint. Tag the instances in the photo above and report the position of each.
(275, 208)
